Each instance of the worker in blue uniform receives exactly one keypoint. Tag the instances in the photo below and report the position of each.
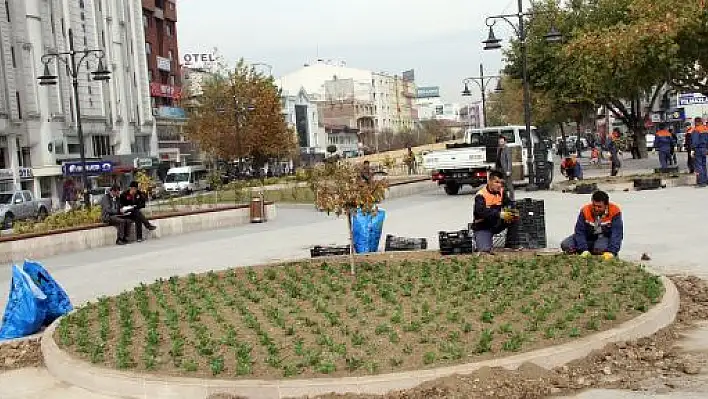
(599, 229)
(663, 142)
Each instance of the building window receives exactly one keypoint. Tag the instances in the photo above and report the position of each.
(19, 105)
(12, 53)
(89, 89)
(148, 48)
(168, 29)
(101, 146)
(81, 3)
(7, 10)
(169, 54)
(103, 39)
(83, 18)
(150, 75)
(172, 80)
(146, 21)
(85, 41)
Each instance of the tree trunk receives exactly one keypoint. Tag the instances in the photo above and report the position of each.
(563, 150)
(351, 244)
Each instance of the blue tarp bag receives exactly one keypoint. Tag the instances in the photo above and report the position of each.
(367, 230)
(58, 303)
(26, 308)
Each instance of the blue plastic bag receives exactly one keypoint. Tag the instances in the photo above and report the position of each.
(58, 303)
(26, 309)
(367, 230)
(376, 229)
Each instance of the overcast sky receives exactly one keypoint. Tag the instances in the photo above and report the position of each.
(440, 39)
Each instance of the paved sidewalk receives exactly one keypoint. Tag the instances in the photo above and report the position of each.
(660, 223)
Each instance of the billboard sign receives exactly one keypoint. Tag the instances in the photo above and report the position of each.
(428, 92)
(164, 64)
(409, 75)
(92, 168)
(199, 60)
(692, 99)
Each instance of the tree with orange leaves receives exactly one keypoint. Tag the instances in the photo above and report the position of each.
(237, 115)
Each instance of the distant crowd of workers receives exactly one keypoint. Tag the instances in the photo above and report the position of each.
(665, 143)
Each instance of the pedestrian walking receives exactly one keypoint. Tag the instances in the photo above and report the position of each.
(687, 147)
(614, 152)
(674, 142)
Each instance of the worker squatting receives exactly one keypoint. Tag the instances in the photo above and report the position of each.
(598, 230)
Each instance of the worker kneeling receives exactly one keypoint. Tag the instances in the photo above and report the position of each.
(570, 168)
(599, 229)
(493, 214)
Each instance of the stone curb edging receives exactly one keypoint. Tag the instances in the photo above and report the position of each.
(133, 385)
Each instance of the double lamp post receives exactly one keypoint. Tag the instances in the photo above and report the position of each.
(492, 43)
(73, 59)
(482, 81)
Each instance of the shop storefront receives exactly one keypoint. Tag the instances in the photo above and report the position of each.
(7, 179)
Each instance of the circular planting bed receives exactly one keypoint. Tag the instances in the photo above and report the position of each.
(313, 319)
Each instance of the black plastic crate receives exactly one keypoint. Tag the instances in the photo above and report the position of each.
(394, 244)
(647, 184)
(585, 188)
(456, 242)
(532, 224)
(320, 251)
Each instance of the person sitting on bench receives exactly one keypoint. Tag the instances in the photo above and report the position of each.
(111, 214)
(135, 200)
(492, 215)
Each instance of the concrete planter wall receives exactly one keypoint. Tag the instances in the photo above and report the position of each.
(37, 246)
(410, 188)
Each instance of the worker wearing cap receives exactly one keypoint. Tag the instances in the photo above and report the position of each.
(663, 142)
(699, 145)
(599, 229)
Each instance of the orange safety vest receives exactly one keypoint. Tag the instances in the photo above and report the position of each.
(663, 133)
(491, 199)
(606, 220)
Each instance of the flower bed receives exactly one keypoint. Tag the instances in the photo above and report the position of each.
(313, 319)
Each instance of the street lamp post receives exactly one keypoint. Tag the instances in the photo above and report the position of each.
(101, 73)
(492, 43)
(482, 81)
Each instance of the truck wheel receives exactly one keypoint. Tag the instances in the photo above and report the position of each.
(9, 221)
(452, 188)
(42, 214)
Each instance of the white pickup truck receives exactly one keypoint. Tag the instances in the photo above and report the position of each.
(469, 162)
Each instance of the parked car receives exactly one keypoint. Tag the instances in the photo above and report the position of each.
(97, 194)
(21, 205)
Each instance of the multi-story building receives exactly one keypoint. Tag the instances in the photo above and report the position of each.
(164, 72)
(38, 124)
(302, 115)
(391, 96)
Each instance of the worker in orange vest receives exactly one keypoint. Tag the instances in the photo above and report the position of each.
(493, 214)
(599, 229)
(663, 141)
(699, 145)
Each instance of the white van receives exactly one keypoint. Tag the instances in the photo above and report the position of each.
(186, 179)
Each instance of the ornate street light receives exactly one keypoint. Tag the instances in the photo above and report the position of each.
(69, 58)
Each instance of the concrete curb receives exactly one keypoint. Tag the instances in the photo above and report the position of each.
(133, 385)
(666, 182)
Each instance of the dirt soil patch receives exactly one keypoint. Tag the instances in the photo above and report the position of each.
(313, 319)
(654, 364)
(19, 354)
